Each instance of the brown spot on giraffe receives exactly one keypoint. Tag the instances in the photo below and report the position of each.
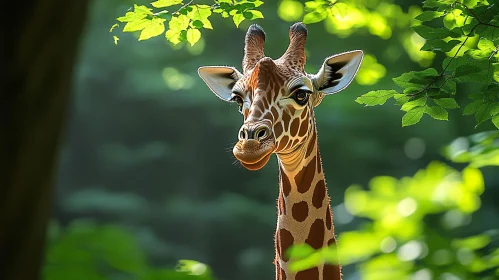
(285, 184)
(300, 211)
(329, 218)
(295, 125)
(319, 194)
(304, 178)
(331, 271)
(311, 273)
(316, 234)
(286, 240)
(283, 143)
(303, 129)
(311, 144)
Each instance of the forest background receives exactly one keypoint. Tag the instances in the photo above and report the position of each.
(140, 186)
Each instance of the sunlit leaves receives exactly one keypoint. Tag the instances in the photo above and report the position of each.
(154, 28)
(290, 10)
(429, 15)
(396, 240)
(315, 16)
(184, 20)
(165, 3)
(193, 35)
(478, 150)
(238, 18)
(413, 116)
(370, 71)
(194, 268)
(437, 113)
(449, 103)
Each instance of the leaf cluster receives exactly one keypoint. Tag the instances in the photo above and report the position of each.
(468, 34)
(180, 21)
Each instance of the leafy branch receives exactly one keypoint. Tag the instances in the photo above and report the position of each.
(466, 33)
(185, 22)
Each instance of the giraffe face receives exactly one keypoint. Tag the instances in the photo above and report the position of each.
(276, 104)
(276, 97)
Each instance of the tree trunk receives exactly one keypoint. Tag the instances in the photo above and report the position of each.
(40, 41)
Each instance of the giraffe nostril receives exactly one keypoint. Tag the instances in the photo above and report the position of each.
(243, 135)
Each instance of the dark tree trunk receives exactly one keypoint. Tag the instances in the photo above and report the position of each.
(39, 42)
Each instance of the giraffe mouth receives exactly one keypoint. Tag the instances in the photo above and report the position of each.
(252, 154)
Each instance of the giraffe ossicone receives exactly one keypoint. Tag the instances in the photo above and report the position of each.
(277, 100)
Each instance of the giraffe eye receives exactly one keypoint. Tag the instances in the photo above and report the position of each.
(236, 98)
(301, 96)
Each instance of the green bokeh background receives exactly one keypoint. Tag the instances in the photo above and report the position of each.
(147, 159)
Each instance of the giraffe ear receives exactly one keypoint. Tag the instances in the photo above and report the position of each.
(220, 79)
(337, 72)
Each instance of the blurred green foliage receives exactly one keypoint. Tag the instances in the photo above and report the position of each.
(147, 156)
(85, 250)
(397, 243)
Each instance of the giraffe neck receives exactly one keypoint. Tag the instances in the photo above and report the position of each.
(304, 211)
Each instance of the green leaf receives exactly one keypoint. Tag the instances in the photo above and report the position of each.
(433, 33)
(254, 14)
(115, 38)
(428, 15)
(377, 97)
(471, 108)
(197, 24)
(437, 113)
(486, 45)
(165, 3)
(238, 18)
(400, 98)
(495, 121)
(176, 28)
(155, 28)
(466, 69)
(484, 112)
(413, 116)
(439, 45)
(340, 9)
(415, 78)
(428, 72)
(300, 251)
(193, 35)
(113, 27)
(412, 104)
(449, 103)
(449, 86)
(136, 25)
(315, 16)
(201, 13)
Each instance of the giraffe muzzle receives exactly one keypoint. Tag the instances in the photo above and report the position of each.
(255, 145)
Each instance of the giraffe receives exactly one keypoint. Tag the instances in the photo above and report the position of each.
(277, 100)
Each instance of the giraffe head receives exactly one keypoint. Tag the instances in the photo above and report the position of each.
(277, 97)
